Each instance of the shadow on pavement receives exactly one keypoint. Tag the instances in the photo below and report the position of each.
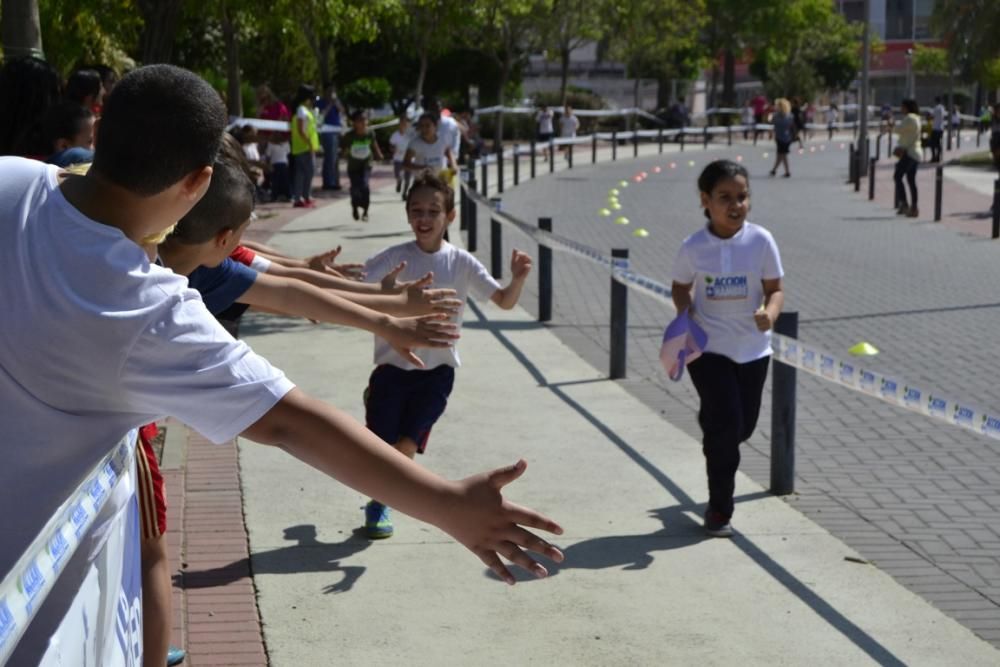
(308, 555)
(630, 546)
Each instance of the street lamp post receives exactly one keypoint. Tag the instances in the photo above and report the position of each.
(861, 155)
(910, 92)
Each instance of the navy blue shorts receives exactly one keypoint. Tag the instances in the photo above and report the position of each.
(406, 404)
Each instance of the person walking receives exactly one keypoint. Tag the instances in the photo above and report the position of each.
(333, 115)
(908, 151)
(305, 143)
(784, 134)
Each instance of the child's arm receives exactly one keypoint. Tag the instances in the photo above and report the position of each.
(377, 149)
(322, 262)
(450, 159)
(285, 295)
(408, 161)
(774, 300)
(681, 294)
(520, 267)
(472, 510)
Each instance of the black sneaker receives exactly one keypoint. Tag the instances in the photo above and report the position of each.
(364, 217)
(354, 212)
(399, 185)
(717, 525)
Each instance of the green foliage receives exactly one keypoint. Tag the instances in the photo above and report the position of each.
(101, 32)
(930, 60)
(366, 93)
(969, 29)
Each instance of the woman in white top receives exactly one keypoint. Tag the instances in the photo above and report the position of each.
(728, 276)
(909, 151)
(428, 150)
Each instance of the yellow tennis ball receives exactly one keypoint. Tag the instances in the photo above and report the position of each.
(640, 233)
(616, 207)
(605, 212)
(621, 220)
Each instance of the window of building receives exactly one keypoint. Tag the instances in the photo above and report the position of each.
(899, 19)
(922, 19)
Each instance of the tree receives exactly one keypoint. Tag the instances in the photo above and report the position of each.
(429, 27)
(650, 35)
(100, 32)
(160, 21)
(20, 32)
(969, 29)
(572, 24)
(930, 60)
(506, 31)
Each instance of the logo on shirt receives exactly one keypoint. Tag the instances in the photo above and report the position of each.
(726, 288)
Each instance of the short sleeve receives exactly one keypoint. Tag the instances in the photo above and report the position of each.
(243, 255)
(379, 265)
(260, 264)
(221, 286)
(185, 365)
(481, 283)
(771, 268)
(683, 271)
(302, 113)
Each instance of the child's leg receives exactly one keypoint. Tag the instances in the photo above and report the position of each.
(366, 192)
(751, 377)
(897, 176)
(309, 162)
(722, 426)
(354, 176)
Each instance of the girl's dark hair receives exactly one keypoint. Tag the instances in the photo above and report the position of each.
(305, 92)
(357, 114)
(430, 180)
(83, 83)
(720, 170)
(28, 87)
(911, 106)
(428, 116)
(64, 121)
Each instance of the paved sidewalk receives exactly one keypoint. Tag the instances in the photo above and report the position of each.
(641, 584)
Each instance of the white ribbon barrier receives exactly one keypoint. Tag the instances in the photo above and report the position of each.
(285, 126)
(103, 624)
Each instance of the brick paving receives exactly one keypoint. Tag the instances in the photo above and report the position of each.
(917, 497)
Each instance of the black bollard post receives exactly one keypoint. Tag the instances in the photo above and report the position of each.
(852, 165)
(830, 132)
(706, 137)
(888, 148)
(466, 200)
(496, 242)
(552, 155)
(614, 145)
(619, 321)
(659, 139)
(996, 209)
(755, 133)
(878, 147)
(871, 178)
(500, 170)
(593, 148)
(471, 227)
(681, 138)
(635, 143)
(729, 135)
(938, 191)
(569, 155)
(533, 158)
(783, 414)
(485, 176)
(544, 275)
(517, 164)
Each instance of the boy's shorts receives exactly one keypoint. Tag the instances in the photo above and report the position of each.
(406, 404)
(149, 486)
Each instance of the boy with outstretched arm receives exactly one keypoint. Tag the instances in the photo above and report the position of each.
(403, 400)
(97, 340)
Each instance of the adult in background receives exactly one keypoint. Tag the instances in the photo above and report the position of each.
(784, 134)
(448, 128)
(937, 129)
(545, 129)
(995, 135)
(909, 152)
(28, 87)
(305, 143)
(333, 114)
(568, 126)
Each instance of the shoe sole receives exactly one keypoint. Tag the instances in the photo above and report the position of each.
(378, 536)
(719, 532)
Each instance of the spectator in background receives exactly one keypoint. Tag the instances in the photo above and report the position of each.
(68, 129)
(84, 87)
(909, 153)
(747, 119)
(398, 142)
(995, 135)
(545, 130)
(784, 134)
(679, 115)
(333, 113)
(568, 126)
(759, 104)
(447, 127)
(28, 87)
(305, 143)
(937, 130)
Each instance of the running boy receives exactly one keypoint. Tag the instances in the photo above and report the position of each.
(402, 401)
(360, 145)
(728, 276)
(398, 141)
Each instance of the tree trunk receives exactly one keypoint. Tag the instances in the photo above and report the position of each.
(160, 19)
(421, 77)
(563, 72)
(505, 69)
(234, 98)
(729, 79)
(712, 95)
(20, 33)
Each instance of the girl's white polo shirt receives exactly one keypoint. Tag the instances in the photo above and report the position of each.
(726, 275)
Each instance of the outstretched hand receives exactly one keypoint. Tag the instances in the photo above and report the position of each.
(324, 260)
(490, 526)
(421, 301)
(406, 333)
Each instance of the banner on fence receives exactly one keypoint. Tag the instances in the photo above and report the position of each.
(75, 596)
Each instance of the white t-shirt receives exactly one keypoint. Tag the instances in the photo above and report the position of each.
(938, 117)
(569, 125)
(727, 290)
(545, 122)
(399, 141)
(260, 264)
(95, 341)
(453, 268)
(250, 150)
(448, 128)
(427, 154)
(277, 152)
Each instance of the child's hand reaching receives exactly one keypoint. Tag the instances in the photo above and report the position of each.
(406, 333)
(520, 264)
(763, 320)
(490, 527)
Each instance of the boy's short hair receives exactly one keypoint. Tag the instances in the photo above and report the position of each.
(358, 114)
(430, 180)
(64, 121)
(227, 204)
(83, 83)
(159, 124)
